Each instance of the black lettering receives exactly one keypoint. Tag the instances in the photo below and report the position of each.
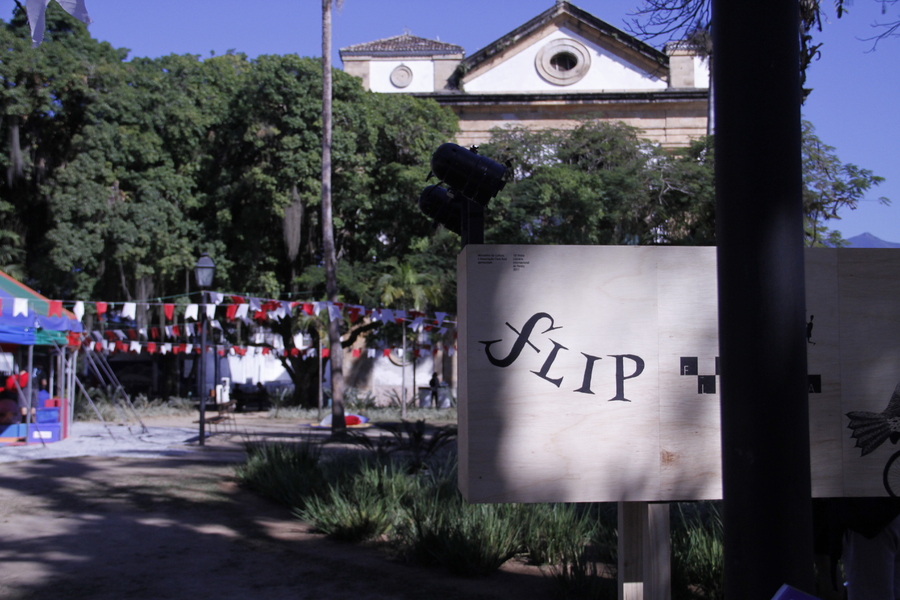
(588, 372)
(549, 362)
(520, 342)
(620, 373)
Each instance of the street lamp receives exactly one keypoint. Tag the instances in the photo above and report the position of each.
(204, 271)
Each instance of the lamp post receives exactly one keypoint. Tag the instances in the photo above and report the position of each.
(204, 271)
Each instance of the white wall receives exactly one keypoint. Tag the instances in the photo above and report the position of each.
(380, 76)
(608, 72)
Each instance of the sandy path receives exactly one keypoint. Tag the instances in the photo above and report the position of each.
(175, 525)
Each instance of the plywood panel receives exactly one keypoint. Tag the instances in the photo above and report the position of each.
(590, 373)
(869, 283)
(823, 366)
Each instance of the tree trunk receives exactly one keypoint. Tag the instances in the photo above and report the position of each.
(334, 328)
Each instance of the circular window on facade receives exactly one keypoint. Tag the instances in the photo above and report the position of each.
(563, 61)
(401, 76)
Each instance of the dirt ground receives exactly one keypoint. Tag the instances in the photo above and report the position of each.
(177, 527)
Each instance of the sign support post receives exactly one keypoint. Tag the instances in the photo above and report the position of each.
(762, 309)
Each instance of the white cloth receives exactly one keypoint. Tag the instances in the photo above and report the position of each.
(35, 10)
(78, 310)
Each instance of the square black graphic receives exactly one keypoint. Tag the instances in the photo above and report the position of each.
(706, 384)
(815, 384)
(689, 365)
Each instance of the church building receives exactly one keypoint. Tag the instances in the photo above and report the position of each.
(561, 66)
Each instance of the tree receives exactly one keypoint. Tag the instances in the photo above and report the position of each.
(601, 184)
(684, 19)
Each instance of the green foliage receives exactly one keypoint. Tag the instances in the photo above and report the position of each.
(362, 507)
(599, 183)
(467, 539)
(698, 564)
(830, 186)
(285, 473)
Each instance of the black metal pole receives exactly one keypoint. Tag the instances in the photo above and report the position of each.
(759, 228)
(201, 371)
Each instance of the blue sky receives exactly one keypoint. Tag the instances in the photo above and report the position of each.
(853, 105)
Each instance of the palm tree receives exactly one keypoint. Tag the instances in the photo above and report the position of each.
(412, 289)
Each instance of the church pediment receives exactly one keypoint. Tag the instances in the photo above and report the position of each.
(564, 49)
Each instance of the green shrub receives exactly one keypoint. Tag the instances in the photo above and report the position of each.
(697, 552)
(286, 473)
(553, 533)
(361, 505)
(440, 528)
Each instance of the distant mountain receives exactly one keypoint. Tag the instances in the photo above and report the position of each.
(867, 240)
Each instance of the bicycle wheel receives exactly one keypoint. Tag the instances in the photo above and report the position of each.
(892, 475)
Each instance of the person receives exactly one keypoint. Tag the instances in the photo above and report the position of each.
(434, 384)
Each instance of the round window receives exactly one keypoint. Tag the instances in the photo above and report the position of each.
(563, 61)
(401, 76)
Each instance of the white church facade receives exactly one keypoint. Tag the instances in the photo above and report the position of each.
(561, 66)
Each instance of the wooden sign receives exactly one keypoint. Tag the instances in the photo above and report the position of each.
(590, 373)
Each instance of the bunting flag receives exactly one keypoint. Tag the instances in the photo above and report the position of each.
(78, 310)
(101, 308)
(20, 307)
(356, 352)
(231, 311)
(326, 352)
(128, 311)
(210, 311)
(191, 312)
(169, 311)
(216, 298)
(242, 310)
(55, 309)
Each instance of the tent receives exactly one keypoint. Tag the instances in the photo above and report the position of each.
(28, 319)
(44, 322)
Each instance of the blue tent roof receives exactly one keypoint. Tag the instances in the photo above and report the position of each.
(36, 326)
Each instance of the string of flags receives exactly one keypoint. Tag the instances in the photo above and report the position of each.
(175, 334)
(248, 310)
(92, 344)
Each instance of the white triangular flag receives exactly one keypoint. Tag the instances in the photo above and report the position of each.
(440, 318)
(35, 10)
(242, 311)
(371, 353)
(190, 312)
(128, 310)
(334, 313)
(216, 298)
(20, 307)
(166, 348)
(210, 311)
(78, 310)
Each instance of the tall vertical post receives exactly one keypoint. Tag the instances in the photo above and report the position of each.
(759, 229)
(201, 371)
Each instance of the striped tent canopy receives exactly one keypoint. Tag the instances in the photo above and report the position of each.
(44, 323)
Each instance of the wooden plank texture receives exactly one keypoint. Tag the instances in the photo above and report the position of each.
(590, 373)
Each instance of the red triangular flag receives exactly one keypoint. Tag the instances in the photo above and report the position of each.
(230, 311)
(326, 352)
(101, 308)
(169, 310)
(356, 353)
(266, 351)
(151, 347)
(55, 309)
(387, 352)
